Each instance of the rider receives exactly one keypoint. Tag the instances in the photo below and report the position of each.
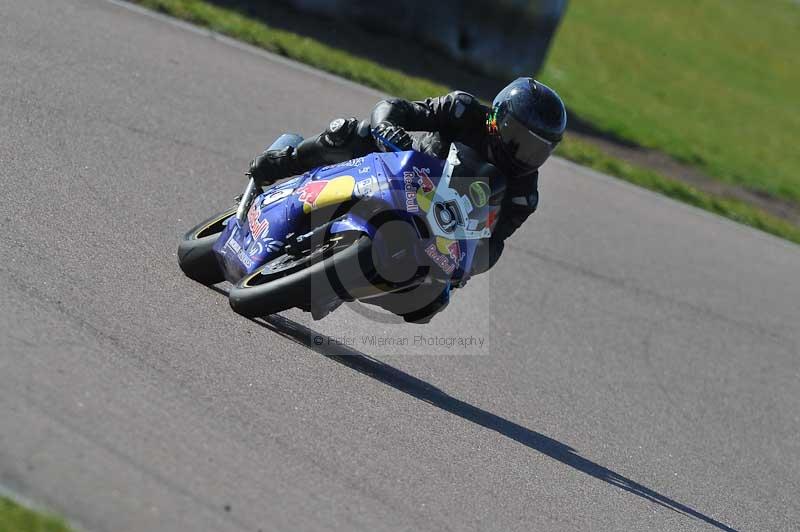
(517, 134)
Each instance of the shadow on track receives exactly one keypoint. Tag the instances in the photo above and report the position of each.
(423, 391)
(419, 389)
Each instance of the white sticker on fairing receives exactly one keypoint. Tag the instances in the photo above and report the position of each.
(240, 254)
(275, 195)
(452, 219)
(366, 187)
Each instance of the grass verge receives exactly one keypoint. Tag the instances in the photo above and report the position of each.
(712, 83)
(16, 518)
(369, 73)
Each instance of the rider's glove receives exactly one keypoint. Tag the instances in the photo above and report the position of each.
(272, 165)
(394, 134)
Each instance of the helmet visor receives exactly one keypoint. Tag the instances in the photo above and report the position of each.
(527, 149)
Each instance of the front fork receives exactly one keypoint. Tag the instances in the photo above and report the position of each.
(249, 195)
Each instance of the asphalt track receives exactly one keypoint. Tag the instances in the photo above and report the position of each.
(640, 368)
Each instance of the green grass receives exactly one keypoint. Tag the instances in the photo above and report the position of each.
(714, 83)
(16, 518)
(394, 82)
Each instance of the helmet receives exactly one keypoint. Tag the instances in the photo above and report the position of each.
(526, 123)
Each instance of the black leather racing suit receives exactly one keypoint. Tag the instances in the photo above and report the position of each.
(460, 117)
(454, 117)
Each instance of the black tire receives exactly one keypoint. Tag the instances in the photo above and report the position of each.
(332, 270)
(195, 254)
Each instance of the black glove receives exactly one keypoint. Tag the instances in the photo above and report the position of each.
(394, 134)
(273, 165)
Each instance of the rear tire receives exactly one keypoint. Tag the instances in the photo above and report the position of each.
(259, 293)
(195, 254)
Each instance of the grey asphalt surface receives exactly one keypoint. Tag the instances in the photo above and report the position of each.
(640, 368)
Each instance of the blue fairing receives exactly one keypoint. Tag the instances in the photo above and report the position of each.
(406, 183)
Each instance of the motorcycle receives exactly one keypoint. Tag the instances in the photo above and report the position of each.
(386, 226)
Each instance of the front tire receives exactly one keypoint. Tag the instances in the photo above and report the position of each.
(302, 281)
(195, 252)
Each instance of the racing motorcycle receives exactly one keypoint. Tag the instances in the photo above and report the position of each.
(387, 224)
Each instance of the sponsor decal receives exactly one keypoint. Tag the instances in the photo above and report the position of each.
(275, 194)
(448, 215)
(257, 227)
(346, 164)
(273, 245)
(240, 254)
(440, 260)
(364, 170)
(324, 192)
(426, 188)
(233, 244)
(256, 249)
(448, 211)
(247, 261)
(367, 187)
(309, 192)
(454, 250)
(410, 192)
(224, 249)
(450, 248)
(425, 183)
(269, 244)
(479, 192)
(424, 200)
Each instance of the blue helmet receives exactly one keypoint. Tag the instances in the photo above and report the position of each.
(526, 123)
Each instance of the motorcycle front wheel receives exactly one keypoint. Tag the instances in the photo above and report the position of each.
(195, 254)
(328, 270)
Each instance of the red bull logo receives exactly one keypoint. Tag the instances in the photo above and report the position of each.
(440, 260)
(257, 227)
(425, 182)
(410, 192)
(454, 250)
(311, 191)
(324, 192)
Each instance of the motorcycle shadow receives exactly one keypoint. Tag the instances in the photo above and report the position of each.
(419, 389)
